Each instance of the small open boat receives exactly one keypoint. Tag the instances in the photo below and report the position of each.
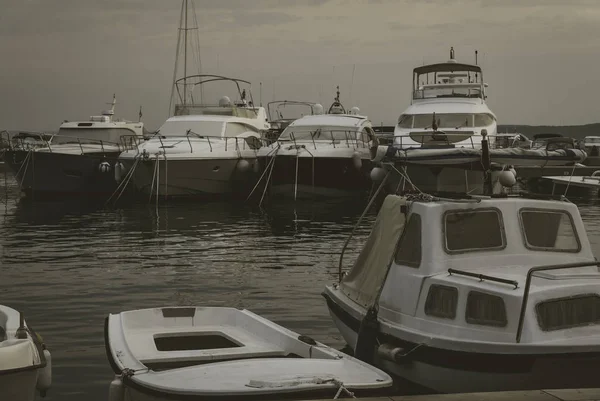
(226, 354)
(24, 360)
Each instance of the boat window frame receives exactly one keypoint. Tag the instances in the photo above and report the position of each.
(414, 265)
(469, 250)
(488, 323)
(577, 296)
(543, 249)
(438, 315)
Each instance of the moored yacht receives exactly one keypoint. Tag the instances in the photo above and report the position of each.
(204, 149)
(79, 159)
(322, 154)
(279, 122)
(448, 106)
(474, 294)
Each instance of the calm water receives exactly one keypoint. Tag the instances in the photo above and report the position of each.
(66, 266)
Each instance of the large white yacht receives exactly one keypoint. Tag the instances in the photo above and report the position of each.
(79, 159)
(475, 294)
(203, 150)
(322, 154)
(447, 107)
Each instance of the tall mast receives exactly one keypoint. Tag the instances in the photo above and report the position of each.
(185, 55)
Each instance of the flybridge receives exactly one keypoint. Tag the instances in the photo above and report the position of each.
(448, 80)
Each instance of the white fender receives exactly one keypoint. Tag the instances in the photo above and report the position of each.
(116, 391)
(379, 153)
(44, 380)
(357, 160)
(104, 167)
(507, 178)
(243, 166)
(377, 174)
(118, 171)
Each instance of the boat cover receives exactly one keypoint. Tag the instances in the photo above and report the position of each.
(514, 156)
(363, 282)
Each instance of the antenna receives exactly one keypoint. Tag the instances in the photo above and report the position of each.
(452, 53)
(185, 54)
(140, 115)
(260, 94)
(476, 57)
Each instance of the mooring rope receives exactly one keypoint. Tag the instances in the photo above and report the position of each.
(124, 182)
(272, 160)
(267, 182)
(153, 181)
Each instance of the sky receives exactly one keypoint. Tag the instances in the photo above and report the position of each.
(64, 59)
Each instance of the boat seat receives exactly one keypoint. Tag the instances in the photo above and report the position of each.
(241, 345)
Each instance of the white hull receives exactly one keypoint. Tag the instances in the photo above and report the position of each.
(224, 353)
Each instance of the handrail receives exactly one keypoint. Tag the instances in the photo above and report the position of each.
(482, 277)
(528, 285)
(353, 138)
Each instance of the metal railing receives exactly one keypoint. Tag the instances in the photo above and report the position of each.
(213, 142)
(483, 277)
(22, 141)
(528, 285)
(349, 138)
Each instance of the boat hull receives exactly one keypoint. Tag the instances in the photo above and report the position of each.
(192, 177)
(51, 173)
(318, 176)
(449, 371)
(19, 386)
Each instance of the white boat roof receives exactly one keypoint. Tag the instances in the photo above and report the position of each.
(331, 120)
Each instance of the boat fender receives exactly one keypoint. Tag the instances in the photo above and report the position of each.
(44, 380)
(356, 160)
(392, 353)
(367, 337)
(243, 165)
(104, 167)
(118, 171)
(377, 174)
(116, 391)
(507, 178)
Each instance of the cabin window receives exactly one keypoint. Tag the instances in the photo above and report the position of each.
(485, 310)
(405, 121)
(549, 230)
(564, 313)
(441, 301)
(235, 129)
(473, 230)
(408, 251)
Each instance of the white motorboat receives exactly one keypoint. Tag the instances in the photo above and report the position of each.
(80, 159)
(475, 294)
(449, 97)
(293, 109)
(25, 364)
(203, 150)
(215, 353)
(321, 154)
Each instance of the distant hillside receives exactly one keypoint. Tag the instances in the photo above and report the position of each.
(573, 131)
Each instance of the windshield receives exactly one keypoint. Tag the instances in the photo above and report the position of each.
(202, 128)
(446, 120)
(321, 133)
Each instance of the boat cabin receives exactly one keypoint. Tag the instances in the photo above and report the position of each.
(464, 268)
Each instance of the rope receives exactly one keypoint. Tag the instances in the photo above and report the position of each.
(342, 388)
(272, 160)
(153, 181)
(124, 182)
(569, 183)
(157, 181)
(267, 183)
(26, 164)
(296, 179)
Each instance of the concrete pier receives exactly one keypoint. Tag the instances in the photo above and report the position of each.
(586, 394)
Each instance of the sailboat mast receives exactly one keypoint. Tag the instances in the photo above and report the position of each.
(185, 54)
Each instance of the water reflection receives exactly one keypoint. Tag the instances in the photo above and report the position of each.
(68, 264)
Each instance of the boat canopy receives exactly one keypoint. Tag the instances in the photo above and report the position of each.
(445, 67)
(367, 276)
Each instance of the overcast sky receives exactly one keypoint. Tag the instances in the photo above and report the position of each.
(63, 59)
